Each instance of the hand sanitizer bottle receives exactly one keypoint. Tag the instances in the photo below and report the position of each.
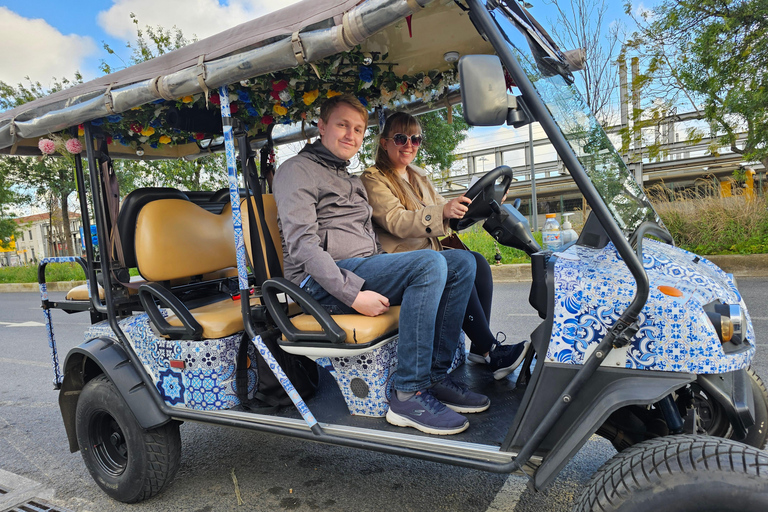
(567, 235)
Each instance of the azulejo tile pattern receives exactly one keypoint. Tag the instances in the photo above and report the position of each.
(365, 381)
(594, 286)
(208, 379)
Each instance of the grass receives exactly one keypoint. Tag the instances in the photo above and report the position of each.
(477, 239)
(53, 272)
(714, 225)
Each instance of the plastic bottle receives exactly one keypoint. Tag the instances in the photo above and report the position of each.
(551, 234)
(568, 235)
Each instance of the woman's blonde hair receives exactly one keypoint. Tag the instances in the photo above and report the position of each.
(411, 197)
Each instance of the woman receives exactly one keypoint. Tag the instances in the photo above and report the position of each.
(409, 214)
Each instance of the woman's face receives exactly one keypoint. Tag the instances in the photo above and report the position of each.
(402, 155)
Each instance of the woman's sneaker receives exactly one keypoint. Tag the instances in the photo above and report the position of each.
(506, 358)
(457, 397)
(426, 413)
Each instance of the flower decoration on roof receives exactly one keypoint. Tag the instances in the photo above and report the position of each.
(292, 95)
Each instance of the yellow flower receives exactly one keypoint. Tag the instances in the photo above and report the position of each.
(81, 132)
(280, 110)
(164, 139)
(331, 94)
(136, 108)
(311, 96)
(147, 131)
(187, 99)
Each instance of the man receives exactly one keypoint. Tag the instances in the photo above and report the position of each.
(330, 249)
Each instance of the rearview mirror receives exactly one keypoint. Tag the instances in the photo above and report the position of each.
(483, 90)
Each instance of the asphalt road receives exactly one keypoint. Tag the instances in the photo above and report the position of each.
(273, 473)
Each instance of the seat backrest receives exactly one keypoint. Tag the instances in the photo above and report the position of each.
(270, 214)
(129, 211)
(176, 238)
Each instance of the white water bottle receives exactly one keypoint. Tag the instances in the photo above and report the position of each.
(551, 233)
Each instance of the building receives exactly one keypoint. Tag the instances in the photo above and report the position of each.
(38, 240)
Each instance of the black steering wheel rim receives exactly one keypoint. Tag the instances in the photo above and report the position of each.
(482, 194)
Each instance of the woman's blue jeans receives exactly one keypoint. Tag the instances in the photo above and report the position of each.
(432, 288)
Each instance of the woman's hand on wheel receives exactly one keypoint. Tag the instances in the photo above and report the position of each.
(456, 207)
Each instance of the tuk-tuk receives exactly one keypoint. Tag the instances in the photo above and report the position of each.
(643, 343)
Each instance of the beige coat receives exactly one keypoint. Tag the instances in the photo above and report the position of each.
(401, 230)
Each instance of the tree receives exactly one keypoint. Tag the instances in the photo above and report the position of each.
(8, 198)
(716, 51)
(582, 24)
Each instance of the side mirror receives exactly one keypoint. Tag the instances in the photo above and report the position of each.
(484, 93)
(483, 90)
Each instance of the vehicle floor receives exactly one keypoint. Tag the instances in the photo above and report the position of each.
(489, 427)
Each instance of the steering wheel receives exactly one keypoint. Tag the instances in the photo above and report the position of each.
(482, 194)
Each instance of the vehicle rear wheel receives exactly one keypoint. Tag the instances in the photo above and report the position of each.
(127, 462)
(680, 474)
(714, 421)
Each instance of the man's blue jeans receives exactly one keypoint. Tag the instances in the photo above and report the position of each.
(432, 288)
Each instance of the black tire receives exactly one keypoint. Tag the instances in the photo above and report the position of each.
(715, 421)
(680, 474)
(128, 463)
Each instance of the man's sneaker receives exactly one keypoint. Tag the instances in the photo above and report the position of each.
(505, 358)
(424, 412)
(458, 397)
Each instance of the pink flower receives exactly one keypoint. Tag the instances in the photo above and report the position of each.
(73, 146)
(46, 146)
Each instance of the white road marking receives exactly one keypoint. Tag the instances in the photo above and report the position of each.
(22, 324)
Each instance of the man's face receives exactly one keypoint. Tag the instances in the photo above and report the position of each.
(343, 134)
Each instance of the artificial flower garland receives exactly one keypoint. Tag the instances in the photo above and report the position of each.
(284, 97)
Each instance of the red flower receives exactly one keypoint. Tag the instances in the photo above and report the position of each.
(279, 85)
(233, 108)
(267, 120)
(275, 95)
(109, 139)
(136, 128)
(215, 98)
(199, 136)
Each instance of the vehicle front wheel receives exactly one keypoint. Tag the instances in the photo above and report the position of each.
(127, 462)
(680, 474)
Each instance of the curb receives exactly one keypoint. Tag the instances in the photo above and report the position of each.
(59, 286)
(747, 265)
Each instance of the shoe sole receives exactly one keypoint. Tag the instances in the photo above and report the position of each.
(475, 359)
(404, 421)
(468, 409)
(503, 372)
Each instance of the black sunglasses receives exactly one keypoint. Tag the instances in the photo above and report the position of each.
(401, 139)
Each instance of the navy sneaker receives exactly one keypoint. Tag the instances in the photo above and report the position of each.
(424, 412)
(480, 359)
(506, 358)
(458, 397)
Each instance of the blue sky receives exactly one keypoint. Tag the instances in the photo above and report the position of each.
(45, 38)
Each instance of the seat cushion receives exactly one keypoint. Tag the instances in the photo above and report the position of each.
(360, 329)
(218, 320)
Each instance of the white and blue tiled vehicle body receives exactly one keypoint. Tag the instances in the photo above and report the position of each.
(593, 286)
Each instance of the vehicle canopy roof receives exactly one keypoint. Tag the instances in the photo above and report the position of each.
(279, 68)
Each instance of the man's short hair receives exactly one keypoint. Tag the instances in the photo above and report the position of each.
(333, 103)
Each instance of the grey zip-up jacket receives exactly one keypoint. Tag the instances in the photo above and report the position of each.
(324, 216)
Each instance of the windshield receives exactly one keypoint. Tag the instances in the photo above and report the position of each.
(617, 187)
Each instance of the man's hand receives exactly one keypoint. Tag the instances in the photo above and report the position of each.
(370, 303)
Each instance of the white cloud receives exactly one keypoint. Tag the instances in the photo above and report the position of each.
(31, 47)
(201, 18)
